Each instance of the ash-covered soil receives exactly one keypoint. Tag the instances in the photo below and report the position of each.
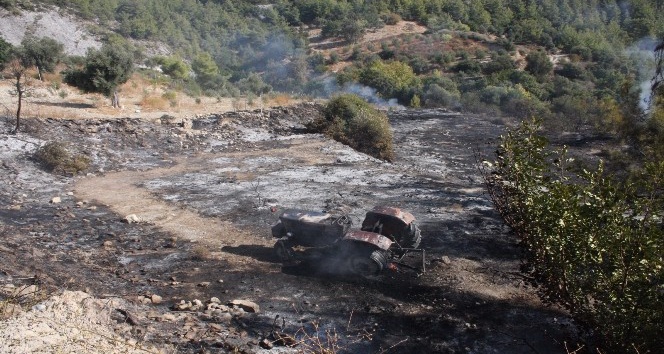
(200, 196)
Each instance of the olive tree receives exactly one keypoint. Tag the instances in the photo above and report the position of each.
(43, 53)
(104, 71)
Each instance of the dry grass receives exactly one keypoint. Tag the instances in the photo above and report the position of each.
(140, 97)
(200, 253)
(153, 102)
(281, 100)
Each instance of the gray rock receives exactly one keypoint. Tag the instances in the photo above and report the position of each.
(246, 305)
(168, 317)
(131, 219)
(39, 307)
(156, 299)
(56, 200)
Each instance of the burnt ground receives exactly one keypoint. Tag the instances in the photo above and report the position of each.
(206, 191)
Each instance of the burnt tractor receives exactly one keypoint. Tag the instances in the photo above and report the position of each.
(386, 236)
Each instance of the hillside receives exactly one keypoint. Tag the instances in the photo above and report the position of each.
(153, 233)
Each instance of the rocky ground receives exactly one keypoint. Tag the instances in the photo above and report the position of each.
(164, 244)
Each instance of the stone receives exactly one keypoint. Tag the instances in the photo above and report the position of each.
(56, 200)
(156, 299)
(108, 243)
(215, 300)
(183, 305)
(131, 219)
(204, 284)
(266, 344)
(445, 259)
(39, 308)
(168, 317)
(246, 305)
(222, 316)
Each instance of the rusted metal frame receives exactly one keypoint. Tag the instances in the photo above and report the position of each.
(423, 251)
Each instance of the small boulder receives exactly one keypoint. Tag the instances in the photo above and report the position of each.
(168, 317)
(56, 200)
(156, 299)
(246, 305)
(131, 219)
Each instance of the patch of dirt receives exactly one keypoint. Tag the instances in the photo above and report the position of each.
(327, 45)
(54, 99)
(204, 192)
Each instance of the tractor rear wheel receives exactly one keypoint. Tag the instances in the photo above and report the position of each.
(368, 264)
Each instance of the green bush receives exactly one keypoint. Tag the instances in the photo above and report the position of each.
(352, 121)
(55, 157)
(392, 79)
(593, 244)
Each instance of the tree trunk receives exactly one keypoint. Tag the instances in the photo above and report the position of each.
(115, 100)
(19, 92)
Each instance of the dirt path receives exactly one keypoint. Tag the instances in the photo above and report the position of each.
(122, 192)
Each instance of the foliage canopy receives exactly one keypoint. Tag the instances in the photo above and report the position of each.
(350, 120)
(594, 244)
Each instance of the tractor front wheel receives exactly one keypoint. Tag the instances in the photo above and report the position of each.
(284, 251)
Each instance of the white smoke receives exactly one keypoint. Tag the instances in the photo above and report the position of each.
(643, 53)
(369, 94)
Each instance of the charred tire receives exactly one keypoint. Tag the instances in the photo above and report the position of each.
(368, 264)
(278, 230)
(284, 251)
(411, 237)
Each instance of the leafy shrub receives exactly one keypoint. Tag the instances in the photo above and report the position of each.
(470, 67)
(55, 157)
(593, 245)
(171, 97)
(391, 19)
(538, 63)
(438, 96)
(352, 121)
(392, 79)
